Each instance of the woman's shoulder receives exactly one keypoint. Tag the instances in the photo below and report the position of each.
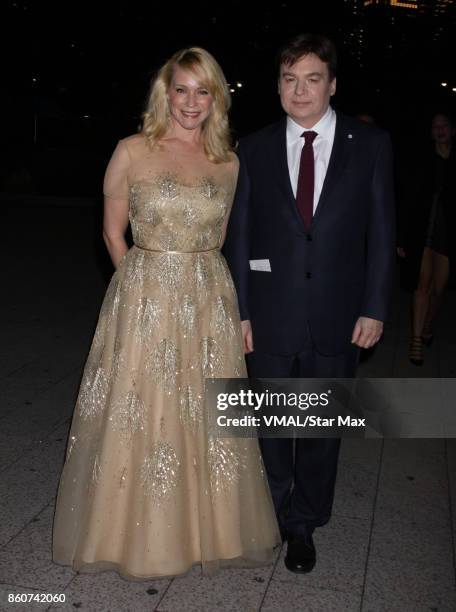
(232, 164)
(136, 144)
(228, 170)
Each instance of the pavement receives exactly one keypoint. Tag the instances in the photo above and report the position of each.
(389, 546)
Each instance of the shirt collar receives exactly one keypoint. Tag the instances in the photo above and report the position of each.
(322, 127)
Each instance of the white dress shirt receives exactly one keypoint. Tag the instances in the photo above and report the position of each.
(322, 146)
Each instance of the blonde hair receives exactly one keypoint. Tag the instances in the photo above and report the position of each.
(215, 129)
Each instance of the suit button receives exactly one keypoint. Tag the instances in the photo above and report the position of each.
(309, 237)
(308, 274)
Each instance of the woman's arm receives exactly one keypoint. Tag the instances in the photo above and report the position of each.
(115, 189)
(115, 223)
(235, 163)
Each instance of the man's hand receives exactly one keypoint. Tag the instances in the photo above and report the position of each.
(247, 336)
(367, 332)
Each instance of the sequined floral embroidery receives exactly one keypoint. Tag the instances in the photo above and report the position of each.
(98, 339)
(221, 271)
(225, 463)
(144, 318)
(169, 270)
(135, 191)
(140, 232)
(92, 396)
(211, 360)
(149, 213)
(134, 274)
(96, 470)
(189, 214)
(168, 186)
(164, 363)
(128, 415)
(187, 314)
(204, 239)
(201, 273)
(208, 188)
(168, 240)
(222, 319)
(159, 472)
(118, 365)
(111, 301)
(191, 408)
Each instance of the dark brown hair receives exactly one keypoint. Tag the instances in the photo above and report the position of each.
(303, 44)
(443, 113)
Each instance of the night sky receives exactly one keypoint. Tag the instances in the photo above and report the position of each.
(76, 74)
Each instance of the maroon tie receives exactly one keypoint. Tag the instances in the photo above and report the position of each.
(306, 179)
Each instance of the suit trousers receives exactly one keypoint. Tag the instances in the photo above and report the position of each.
(302, 471)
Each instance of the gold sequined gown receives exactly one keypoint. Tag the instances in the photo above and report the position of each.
(145, 490)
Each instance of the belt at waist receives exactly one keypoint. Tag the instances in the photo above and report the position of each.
(176, 252)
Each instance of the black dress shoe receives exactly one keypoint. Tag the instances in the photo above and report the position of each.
(301, 555)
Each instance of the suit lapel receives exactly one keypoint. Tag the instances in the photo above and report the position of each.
(343, 142)
(281, 159)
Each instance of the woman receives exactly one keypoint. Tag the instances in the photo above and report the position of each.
(424, 227)
(145, 489)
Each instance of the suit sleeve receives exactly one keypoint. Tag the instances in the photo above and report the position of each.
(381, 236)
(237, 242)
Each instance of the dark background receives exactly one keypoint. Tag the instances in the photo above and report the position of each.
(76, 74)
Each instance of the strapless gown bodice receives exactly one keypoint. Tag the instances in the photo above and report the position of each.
(168, 215)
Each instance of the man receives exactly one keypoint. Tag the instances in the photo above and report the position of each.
(311, 249)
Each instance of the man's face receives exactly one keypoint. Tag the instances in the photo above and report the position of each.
(305, 89)
(442, 130)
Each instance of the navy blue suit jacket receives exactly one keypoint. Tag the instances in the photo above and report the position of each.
(325, 278)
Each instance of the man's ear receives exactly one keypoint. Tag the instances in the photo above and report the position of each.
(332, 87)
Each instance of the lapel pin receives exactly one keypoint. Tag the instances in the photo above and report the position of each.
(350, 136)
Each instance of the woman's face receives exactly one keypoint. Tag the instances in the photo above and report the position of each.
(441, 130)
(190, 103)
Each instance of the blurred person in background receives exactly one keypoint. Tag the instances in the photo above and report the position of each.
(425, 225)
